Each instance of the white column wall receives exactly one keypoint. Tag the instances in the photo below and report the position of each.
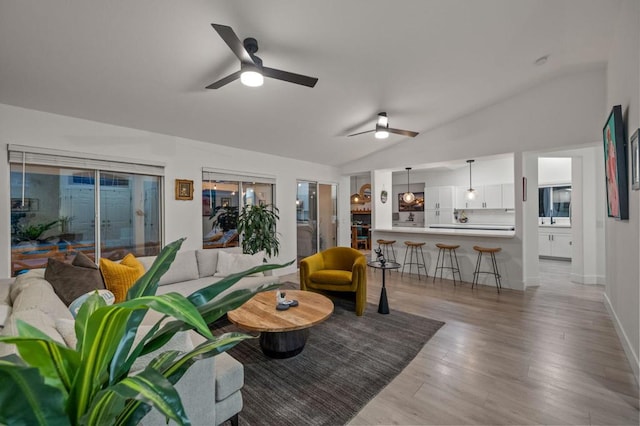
(621, 237)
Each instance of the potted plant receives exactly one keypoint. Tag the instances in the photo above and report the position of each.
(224, 218)
(92, 384)
(257, 225)
(27, 232)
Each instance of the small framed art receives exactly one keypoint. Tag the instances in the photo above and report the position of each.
(184, 189)
(635, 162)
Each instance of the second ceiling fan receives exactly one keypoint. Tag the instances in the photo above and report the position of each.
(382, 129)
(251, 69)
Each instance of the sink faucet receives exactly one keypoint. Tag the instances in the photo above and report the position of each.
(553, 221)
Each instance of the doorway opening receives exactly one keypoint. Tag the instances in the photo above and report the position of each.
(316, 217)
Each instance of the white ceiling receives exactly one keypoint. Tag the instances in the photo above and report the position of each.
(144, 64)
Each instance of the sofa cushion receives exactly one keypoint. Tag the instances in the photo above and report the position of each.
(71, 281)
(120, 277)
(24, 280)
(35, 318)
(331, 276)
(183, 268)
(232, 263)
(207, 262)
(39, 295)
(229, 376)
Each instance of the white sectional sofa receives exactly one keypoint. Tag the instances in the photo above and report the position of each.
(210, 390)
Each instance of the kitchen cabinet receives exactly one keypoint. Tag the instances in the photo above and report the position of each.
(487, 197)
(439, 216)
(508, 196)
(438, 204)
(554, 242)
(438, 197)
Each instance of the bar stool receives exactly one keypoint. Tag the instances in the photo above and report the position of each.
(412, 250)
(492, 252)
(443, 248)
(388, 251)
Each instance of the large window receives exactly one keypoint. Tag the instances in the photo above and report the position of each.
(59, 210)
(223, 196)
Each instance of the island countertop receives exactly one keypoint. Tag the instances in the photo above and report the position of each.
(466, 231)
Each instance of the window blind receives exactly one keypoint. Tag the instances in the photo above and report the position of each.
(224, 175)
(68, 159)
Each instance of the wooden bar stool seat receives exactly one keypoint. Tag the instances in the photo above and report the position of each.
(491, 251)
(442, 249)
(388, 251)
(414, 250)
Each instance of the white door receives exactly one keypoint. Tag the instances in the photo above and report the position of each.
(561, 245)
(445, 197)
(431, 198)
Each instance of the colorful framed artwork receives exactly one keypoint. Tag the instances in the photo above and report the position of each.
(184, 189)
(635, 162)
(615, 159)
(416, 206)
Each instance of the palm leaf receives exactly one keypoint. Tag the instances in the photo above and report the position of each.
(56, 362)
(26, 399)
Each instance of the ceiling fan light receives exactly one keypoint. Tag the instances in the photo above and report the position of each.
(383, 120)
(251, 78)
(381, 134)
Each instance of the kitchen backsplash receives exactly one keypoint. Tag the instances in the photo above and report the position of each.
(488, 216)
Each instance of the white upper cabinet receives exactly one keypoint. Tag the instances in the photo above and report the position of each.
(438, 197)
(487, 197)
(508, 196)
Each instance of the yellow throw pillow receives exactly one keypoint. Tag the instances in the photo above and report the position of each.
(120, 277)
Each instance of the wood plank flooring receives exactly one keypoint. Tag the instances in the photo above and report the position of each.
(549, 355)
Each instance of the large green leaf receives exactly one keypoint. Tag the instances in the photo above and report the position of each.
(56, 362)
(147, 285)
(25, 399)
(90, 305)
(149, 387)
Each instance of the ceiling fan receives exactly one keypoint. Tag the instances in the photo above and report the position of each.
(382, 129)
(251, 70)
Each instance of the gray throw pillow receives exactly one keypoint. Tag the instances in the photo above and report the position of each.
(71, 281)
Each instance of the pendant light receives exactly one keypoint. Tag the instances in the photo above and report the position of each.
(355, 197)
(408, 197)
(471, 193)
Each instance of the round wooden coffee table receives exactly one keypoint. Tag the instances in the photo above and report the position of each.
(283, 334)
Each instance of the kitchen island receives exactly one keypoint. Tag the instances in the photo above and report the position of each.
(466, 236)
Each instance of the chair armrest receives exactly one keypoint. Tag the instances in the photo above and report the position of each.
(359, 269)
(308, 266)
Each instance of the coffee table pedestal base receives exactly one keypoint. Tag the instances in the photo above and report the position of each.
(285, 344)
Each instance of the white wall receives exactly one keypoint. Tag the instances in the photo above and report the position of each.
(183, 159)
(553, 171)
(622, 237)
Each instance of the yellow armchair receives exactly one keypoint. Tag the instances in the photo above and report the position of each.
(336, 269)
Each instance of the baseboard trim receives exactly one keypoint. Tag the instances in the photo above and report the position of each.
(632, 357)
(587, 279)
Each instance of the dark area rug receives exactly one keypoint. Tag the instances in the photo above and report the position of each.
(347, 360)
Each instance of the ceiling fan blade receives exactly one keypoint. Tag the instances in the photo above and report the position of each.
(361, 133)
(226, 80)
(289, 77)
(229, 36)
(403, 132)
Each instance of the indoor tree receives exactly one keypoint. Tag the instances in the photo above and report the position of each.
(257, 225)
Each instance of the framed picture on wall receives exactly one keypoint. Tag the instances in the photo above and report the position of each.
(184, 189)
(635, 162)
(615, 162)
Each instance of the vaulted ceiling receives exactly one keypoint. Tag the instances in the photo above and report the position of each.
(144, 64)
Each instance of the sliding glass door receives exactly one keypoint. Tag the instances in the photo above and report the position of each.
(54, 212)
(316, 213)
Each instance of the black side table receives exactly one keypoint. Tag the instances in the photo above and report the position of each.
(383, 306)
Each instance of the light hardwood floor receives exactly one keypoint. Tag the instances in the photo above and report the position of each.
(549, 355)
